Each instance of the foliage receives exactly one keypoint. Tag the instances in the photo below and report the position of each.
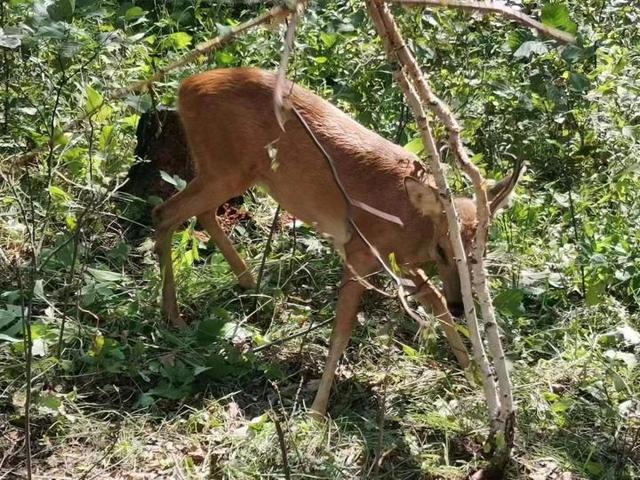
(112, 383)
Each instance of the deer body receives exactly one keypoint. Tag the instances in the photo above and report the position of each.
(229, 120)
(228, 117)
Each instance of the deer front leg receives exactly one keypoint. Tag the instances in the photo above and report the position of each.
(346, 311)
(429, 296)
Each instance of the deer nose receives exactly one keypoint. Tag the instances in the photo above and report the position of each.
(456, 309)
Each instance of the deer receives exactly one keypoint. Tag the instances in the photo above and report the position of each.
(232, 132)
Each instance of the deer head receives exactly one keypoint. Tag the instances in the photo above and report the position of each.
(426, 198)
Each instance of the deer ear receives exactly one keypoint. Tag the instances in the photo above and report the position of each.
(423, 196)
(499, 194)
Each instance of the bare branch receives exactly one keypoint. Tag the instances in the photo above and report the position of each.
(283, 446)
(418, 94)
(397, 51)
(278, 92)
(401, 283)
(275, 14)
(492, 7)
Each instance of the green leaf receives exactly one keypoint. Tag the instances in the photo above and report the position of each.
(174, 180)
(210, 329)
(134, 12)
(61, 10)
(59, 137)
(415, 146)
(629, 335)
(257, 423)
(393, 263)
(58, 195)
(562, 405)
(106, 136)
(48, 403)
(631, 131)
(7, 338)
(530, 48)
(579, 82)
(594, 468)
(329, 39)
(9, 41)
(517, 38)
(94, 100)
(557, 15)
(178, 40)
(320, 60)
(628, 358)
(596, 290)
(225, 58)
(409, 351)
(510, 301)
(572, 53)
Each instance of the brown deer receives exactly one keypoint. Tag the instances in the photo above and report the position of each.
(228, 116)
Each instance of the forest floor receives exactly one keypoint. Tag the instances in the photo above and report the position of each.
(145, 401)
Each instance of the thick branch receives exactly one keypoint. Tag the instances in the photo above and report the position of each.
(426, 96)
(493, 7)
(488, 382)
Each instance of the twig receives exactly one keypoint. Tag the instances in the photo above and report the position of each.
(377, 461)
(267, 248)
(265, 253)
(302, 333)
(578, 240)
(400, 282)
(283, 446)
(112, 445)
(276, 13)
(278, 92)
(492, 7)
(28, 358)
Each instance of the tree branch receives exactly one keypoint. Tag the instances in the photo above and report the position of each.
(418, 94)
(276, 13)
(492, 7)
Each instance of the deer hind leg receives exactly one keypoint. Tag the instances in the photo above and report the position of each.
(346, 310)
(210, 222)
(197, 198)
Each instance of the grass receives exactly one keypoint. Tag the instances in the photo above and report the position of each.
(131, 398)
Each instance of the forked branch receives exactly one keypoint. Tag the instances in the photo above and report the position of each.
(419, 96)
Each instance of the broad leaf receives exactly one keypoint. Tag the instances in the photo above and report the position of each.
(61, 10)
(415, 146)
(557, 15)
(530, 48)
(94, 100)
